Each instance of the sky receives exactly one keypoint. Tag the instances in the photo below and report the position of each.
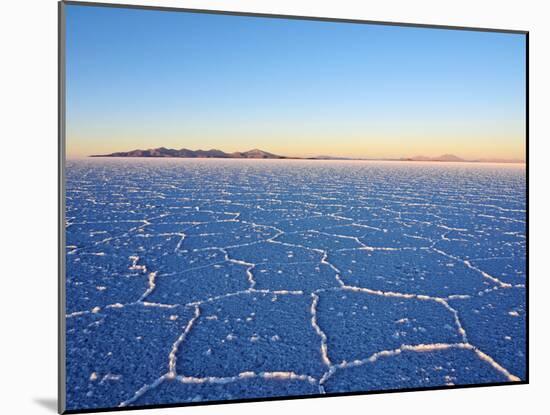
(148, 78)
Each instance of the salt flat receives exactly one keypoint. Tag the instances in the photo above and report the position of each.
(194, 280)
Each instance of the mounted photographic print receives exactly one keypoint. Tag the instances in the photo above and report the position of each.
(258, 207)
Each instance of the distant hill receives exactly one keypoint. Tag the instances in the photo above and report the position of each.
(444, 157)
(186, 153)
(448, 157)
(452, 157)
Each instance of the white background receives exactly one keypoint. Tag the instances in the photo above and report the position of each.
(28, 203)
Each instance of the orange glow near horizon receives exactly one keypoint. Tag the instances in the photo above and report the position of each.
(354, 146)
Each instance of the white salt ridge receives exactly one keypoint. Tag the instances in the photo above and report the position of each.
(151, 288)
(180, 242)
(320, 333)
(419, 348)
(172, 356)
(110, 377)
(249, 268)
(469, 265)
(135, 266)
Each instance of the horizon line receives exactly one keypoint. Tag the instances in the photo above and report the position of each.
(447, 156)
(385, 160)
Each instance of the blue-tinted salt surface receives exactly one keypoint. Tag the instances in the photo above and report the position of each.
(197, 280)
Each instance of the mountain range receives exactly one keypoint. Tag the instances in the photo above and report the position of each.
(186, 153)
(260, 154)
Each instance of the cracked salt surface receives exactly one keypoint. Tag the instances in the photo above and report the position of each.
(197, 280)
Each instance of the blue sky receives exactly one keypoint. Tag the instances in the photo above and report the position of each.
(143, 78)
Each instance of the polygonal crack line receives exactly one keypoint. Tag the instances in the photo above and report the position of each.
(172, 373)
(144, 223)
(123, 235)
(418, 348)
(342, 287)
(422, 297)
(172, 356)
(324, 255)
(324, 339)
(336, 235)
(468, 264)
(362, 247)
(190, 304)
(259, 225)
(317, 250)
(324, 348)
(180, 242)
(250, 266)
(97, 309)
(152, 275)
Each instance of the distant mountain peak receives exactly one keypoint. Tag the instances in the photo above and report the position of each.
(256, 153)
(448, 157)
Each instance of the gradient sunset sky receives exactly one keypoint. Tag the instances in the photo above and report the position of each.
(145, 79)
